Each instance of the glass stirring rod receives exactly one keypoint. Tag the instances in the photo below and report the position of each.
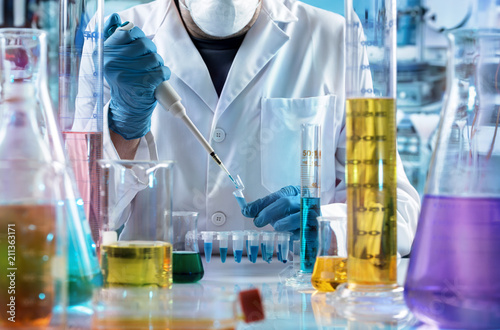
(171, 101)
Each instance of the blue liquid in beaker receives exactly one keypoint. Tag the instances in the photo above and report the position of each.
(208, 251)
(254, 252)
(310, 210)
(223, 254)
(237, 255)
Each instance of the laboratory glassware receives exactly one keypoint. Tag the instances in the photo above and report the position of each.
(223, 238)
(253, 245)
(452, 279)
(33, 215)
(267, 246)
(81, 92)
(136, 237)
(310, 207)
(238, 237)
(186, 263)
(83, 265)
(330, 269)
(179, 308)
(208, 240)
(238, 193)
(371, 287)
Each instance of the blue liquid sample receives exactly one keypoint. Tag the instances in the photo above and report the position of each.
(310, 209)
(279, 252)
(237, 255)
(254, 252)
(267, 257)
(241, 202)
(84, 274)
(223, 254)
(208, 251)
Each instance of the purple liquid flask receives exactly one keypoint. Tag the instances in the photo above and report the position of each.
(453, 278)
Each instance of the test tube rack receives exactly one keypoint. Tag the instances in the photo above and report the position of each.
(253, 240)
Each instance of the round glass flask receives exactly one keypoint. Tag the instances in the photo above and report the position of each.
(453, 279)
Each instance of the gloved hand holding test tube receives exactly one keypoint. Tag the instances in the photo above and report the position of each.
(171, 101)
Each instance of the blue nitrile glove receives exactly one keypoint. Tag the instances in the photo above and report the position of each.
(133, 70)
(281, 209)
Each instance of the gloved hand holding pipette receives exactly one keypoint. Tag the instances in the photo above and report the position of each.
(133, 70)
(280, 209)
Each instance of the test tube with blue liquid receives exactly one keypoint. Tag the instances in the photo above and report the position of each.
(267, 246)
(238, 193)
(208, 237)
(223, 237)
(238, 237)
(283, 245)
(253, 240)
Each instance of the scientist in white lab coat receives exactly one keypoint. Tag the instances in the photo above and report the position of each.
(249, 73)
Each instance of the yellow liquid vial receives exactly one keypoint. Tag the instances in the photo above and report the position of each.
(329, 272)
(137, 263)
(371, 192)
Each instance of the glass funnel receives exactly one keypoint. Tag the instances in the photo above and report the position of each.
(453, 280)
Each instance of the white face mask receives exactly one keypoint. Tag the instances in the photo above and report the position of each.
(221, 18)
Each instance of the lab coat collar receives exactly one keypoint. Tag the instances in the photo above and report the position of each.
(182, 57)
(261, 43)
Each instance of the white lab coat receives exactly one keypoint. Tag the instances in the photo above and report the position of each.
(289, 70)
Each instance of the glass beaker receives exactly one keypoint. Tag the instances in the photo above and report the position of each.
(186, 264)
(33, 214)
(330, 268)
(136, 237)
(453, 280)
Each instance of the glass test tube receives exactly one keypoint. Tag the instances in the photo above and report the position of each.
(283, 242)
(253, 239)
(371, 142)
(208, 237)
(238, 237)
(310, 195)
(223, 238)
(267, 246)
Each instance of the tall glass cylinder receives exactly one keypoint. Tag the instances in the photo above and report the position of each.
(453, 277)
(81, 89)
(371, 143)
(310, 192)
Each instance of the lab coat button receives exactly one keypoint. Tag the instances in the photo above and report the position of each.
(218, 218)
(219, 135)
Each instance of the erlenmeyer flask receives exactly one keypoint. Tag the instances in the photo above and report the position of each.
(453, 278)
(83, 266)
(32, 212)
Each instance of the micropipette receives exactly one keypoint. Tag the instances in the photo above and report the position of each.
(171, 101)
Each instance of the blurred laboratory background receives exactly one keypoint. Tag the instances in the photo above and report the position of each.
(421, 52)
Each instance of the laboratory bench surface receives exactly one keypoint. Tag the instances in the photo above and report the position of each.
(285, 307)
